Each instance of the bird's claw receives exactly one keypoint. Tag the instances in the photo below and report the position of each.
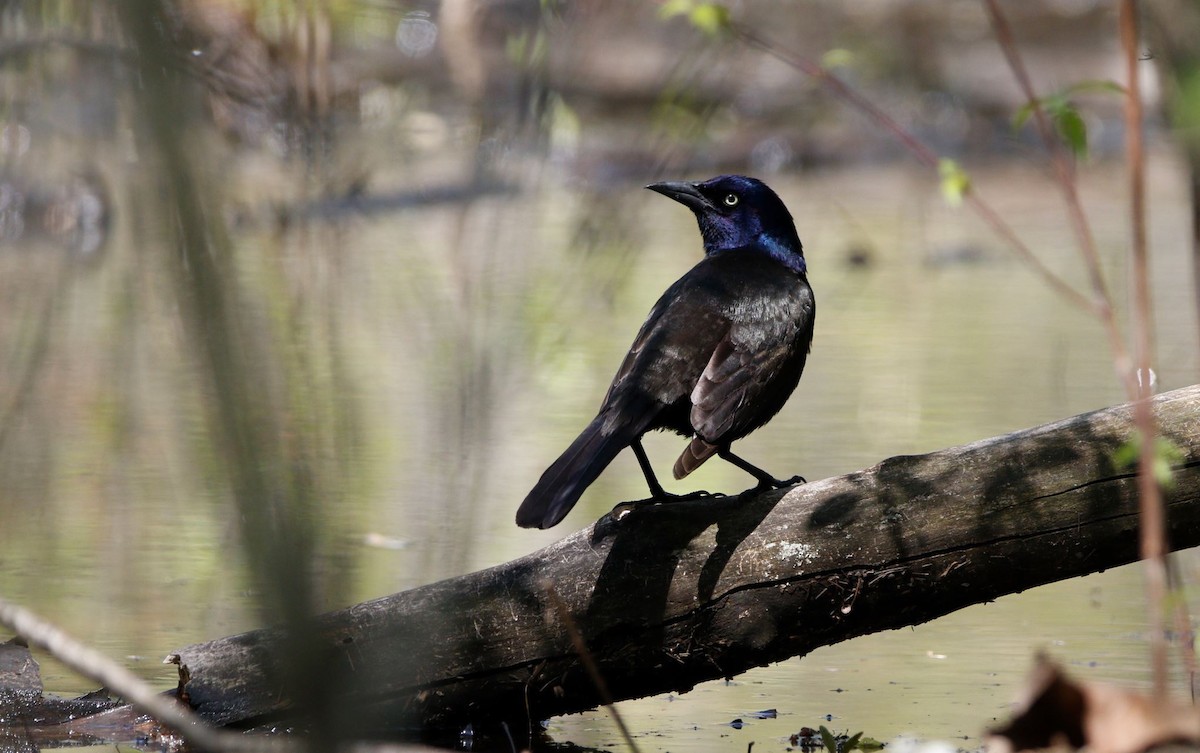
(663, 497)
(698, 494)
(775, 483)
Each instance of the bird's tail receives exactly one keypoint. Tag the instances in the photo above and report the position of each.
(564, 482)
(693, 457)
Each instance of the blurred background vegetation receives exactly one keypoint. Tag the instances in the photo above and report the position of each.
(297, 299)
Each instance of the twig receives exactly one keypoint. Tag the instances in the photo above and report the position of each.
(99, 668)
(589, 664)
(1153, 524)
(1101, 303)
(923, 154)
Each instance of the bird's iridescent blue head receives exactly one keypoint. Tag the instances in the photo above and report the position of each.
(739, 212)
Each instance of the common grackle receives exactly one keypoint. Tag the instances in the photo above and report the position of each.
(717, 357)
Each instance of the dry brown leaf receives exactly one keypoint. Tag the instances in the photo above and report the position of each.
(1059, 712)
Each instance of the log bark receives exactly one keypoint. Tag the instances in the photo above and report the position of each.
(672, 595)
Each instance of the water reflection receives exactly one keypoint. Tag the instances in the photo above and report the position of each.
(425, 272)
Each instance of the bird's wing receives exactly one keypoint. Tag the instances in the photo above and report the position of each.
(662, 362)
(752, 370)
(637, 348)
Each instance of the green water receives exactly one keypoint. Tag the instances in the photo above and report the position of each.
(122, 535)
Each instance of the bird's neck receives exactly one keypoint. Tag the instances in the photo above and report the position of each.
(788, 253)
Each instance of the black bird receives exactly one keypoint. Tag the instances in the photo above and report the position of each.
(718, 356)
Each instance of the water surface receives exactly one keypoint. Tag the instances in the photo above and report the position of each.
(423, 364)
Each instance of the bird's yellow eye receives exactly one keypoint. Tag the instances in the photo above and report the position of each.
(731, 200)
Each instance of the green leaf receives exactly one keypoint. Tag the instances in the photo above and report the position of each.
(1067, 120)
(1056, 104)
(955, 182)
(827, 739)
(1073, 130)
(1022, 116)
(1094, 85)
(870, 744)
(673, 8)
(838, 57)
(1185, 112)
(851, 743)
(1125, 456)
(515, 46)
(710, 18)
(1166, 455)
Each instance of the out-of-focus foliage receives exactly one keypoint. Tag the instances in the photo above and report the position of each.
(710, 18)
(1187, 105)
(1166, 455)
(954, 181)
(1065, 114)
(838, 57)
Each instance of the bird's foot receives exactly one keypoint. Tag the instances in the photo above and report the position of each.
(774, 483)
(661, 497)
(664, 496)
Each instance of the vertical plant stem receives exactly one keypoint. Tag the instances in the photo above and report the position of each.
(1194, 160)
(589, 664)
(1065, 175)
(272, 482)
(1153, 526)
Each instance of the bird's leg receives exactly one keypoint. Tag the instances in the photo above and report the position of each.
(656, 490)
(765, 480)
(657, 493)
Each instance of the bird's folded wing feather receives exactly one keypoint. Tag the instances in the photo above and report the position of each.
(662, 362)
(731, 397)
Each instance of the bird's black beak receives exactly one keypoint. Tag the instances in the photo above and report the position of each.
(683, 192)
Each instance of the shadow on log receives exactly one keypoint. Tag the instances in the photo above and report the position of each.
(673, 595)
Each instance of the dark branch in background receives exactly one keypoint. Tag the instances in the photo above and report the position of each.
(924, 155)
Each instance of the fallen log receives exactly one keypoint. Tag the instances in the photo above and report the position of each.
(671, 595)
